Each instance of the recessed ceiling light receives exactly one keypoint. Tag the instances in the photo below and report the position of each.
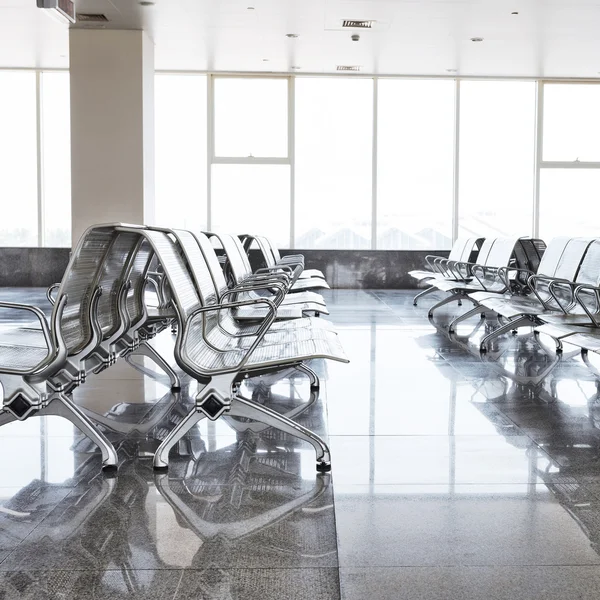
(250, 8)
(265, 60)
(292, 35)
(477, 39)
(295, 67)
(515, 12)
(451, 70)
(146, 3)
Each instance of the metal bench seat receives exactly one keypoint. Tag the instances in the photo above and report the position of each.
(463, 250)
(22, 357)
(494, 254)
(219, 371)
(78, 338)
(272, 257)
(240, 272)
(200, 255)
(552, 298)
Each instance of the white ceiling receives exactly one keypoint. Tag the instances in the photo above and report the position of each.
(548, 38)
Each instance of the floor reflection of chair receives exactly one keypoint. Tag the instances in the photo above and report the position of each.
(241, 491)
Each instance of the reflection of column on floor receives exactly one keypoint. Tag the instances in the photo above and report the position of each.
(372, 394)
(533, 454)
(452, 439)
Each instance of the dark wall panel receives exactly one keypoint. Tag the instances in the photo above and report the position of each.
(32, 267)
(369, 269)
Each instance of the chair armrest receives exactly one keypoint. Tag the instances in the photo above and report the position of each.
(49, 291)
(587, 288)
(553, 285)
(267, 322)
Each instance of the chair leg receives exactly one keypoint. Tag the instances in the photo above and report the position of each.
(470, 313)
(257, 427)
(161, 457)
(447, 300)
(245, 408)
(61, 406)
(145, 349)
(429, 290)
(514, 324)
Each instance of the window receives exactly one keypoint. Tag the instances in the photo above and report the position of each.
(252, 199)
(415, 164)
(56, 158)
(497, 125)
(180, 142)
(251, 117)
(571, 122)
(580, 188)
(251, 167)
(334, 138)
(18, 159)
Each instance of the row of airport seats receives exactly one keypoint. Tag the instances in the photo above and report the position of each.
(554, 290)
(124, 285)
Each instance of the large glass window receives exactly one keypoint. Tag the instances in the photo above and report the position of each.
(569, 202)
(18, 159)
(415, 164)
(496, 162)
(571, 122)
(251, 117)
(56, 158)
(334, 141)
(180, 142)
(252, 199)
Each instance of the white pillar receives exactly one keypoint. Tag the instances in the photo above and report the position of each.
(112, 127)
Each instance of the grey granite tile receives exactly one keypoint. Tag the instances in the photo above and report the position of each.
(461, 525)
(471, 583)
(205, 584)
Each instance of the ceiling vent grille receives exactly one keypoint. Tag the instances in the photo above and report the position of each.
(91, 18)
(357, 24)
(348, 68)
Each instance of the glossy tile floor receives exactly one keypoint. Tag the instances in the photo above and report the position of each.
(453, 477)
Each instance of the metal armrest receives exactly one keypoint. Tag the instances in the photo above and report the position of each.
(267, 322)
(587, 288)
(564, 283)
(49, 291)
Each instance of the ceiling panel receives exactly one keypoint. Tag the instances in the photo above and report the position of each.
(548, 38)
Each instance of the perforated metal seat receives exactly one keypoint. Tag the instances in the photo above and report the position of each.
(219, 368)
(241, 273)
(38, 380)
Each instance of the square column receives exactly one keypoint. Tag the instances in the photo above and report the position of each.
(112, 128)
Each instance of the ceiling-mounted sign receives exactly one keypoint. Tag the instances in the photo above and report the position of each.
(63, 9)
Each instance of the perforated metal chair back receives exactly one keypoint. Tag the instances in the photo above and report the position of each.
(198, 266)
(136, 308)
(589, 269)
(210, 256)
(485, 250)
(501, 252)
(78, 284)
(114, 273)
(570, 259)
(176, 270)
(237, 260)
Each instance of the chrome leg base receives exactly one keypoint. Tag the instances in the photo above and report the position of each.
(323, 466)
(429, 290)
(145, 349)
(161, 457)
(61, 406)
(241, 407)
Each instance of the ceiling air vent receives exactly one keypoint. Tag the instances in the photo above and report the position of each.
(91, 18)
(348, 68)
(357, 24)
